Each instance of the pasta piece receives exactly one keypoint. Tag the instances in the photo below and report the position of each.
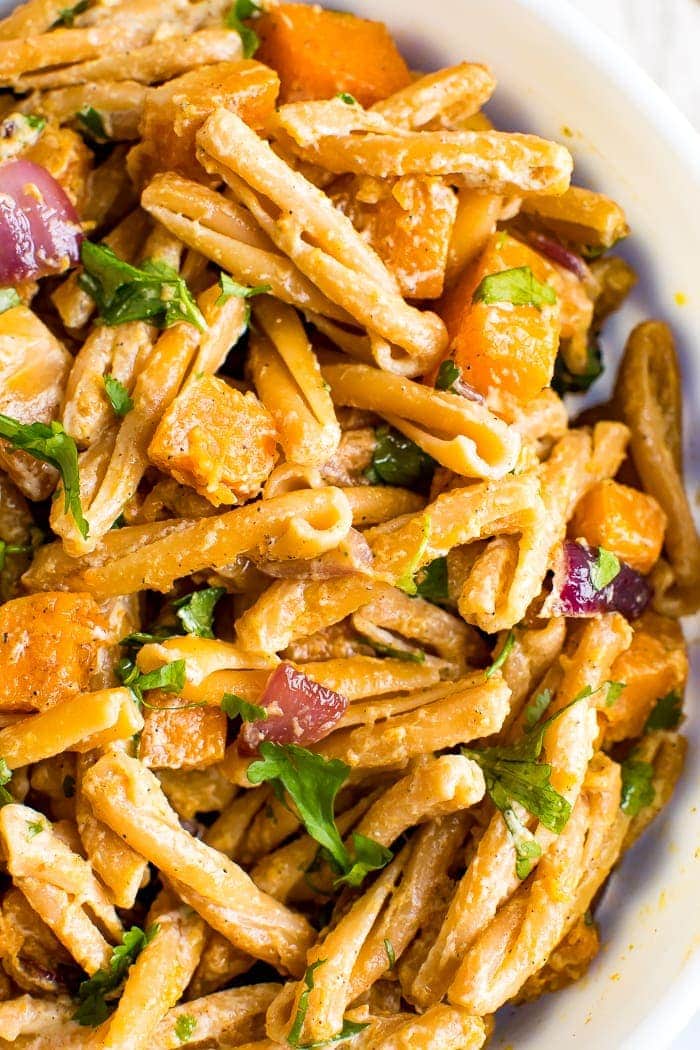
(79, 723)
(288, 379)
(235, 1014)
(29, 1015)
(196, 792)
(580, 215)
(290, 210)
(345, 138)
(128, 798)
(448, 1027)
(458, 433)
(59, 885)
(34, 367)
(31, 954)
(376, 504)
(158, 977)
(215, 439)
(429, 98)
(218, 965)
(119, 104)
(48, 648)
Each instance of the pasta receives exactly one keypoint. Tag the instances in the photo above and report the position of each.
(340, 663)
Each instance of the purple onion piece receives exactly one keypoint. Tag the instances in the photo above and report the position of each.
(299, 711)
(573, 593)
(468, 391)
(559, 254)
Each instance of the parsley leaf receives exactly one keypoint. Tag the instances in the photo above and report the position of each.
(8, 299)
(93, 1006)
(347, 98)
(91, 120)
(390, 953)
(448, 375)
(66, 17)
(234, 20)
(613, 693)
(50, 443)
(604, 569)
(170, 677)
(185, 1027)
(527, 848)
(349, 1029)
(118, 395)
(535, 710)
(230, 288)
(34, 828)
(666, 713)
(236, 707)
(432, 583)
(637, 787)
(406, 581)
(518, 286)
(502, 656)
(11, 548)
(154, 292)
(414, 656)
(5, 778)
(312, 783)
(35, 122)
(196, 611)
(134, 641)
(565, 381)
(397, 460)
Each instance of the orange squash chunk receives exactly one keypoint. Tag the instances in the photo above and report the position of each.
(175, 736)
(409, 227)
(48, 648)
(174, 112)
(625, 521)
(216, 440)
(503, 345)
(655, 663)
(319, 53)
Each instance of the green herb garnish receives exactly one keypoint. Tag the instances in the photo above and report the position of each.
(231, 288)
(236, 707)
(565, 381)
(535, 710)
(92, 121)
(94, 1008)
(414, 656)
(390, 953)
(196, 611)
(8, 299)
(347, 98)
(448, 375)
(397, 460)
(49, 443)
(613, 693)
(234, 20)
(34, 828)
(349, 1029)
(518, 286)
(170, 677)
(604, 569)
(185, 1027)
(66, 17)
(155, 292)
(7, 549)
(637, 786)
(502, 656)
(666, 713)
(117, 395)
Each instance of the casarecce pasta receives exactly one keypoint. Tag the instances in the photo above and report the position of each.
(339, 663)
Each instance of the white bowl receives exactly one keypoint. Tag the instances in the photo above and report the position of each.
(556, 71)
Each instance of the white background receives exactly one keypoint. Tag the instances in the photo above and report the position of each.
(664, 37)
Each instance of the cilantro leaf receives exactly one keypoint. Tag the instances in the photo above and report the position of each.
(518, 286)
(230, 288)
(134, 641)
(637, 787)
(154, 292)
(8, 299)
(196, 611)
(502, 656)
(414, 656)
(50, 443)
(236, 707)
(170, 677)
(11, 548)
(118, 395)
(91, 120)
(185, 1027)
(34, 828)
(614, 692)
(234, 20)
(604, 569)
(5, 778)
(406, 581)
(347, 98)
(312, 782)
(93, 1006)
(666, 713)
(527, 848)
(448, 375)
(66, 16)
(432, 582)
(565, 381)
(35, 122)
(397, 460)
(349, 1029)
(390, 953)
(535, 710)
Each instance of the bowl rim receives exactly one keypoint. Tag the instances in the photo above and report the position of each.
(675, 1010)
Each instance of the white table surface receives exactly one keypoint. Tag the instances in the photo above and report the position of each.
(664, 38)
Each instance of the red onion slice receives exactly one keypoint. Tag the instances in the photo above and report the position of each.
(39, 227)
(556, 251)
(300, 711)
(574, 594)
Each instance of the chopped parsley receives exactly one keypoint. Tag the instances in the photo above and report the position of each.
(7, 549)
(637, 786)
(666, 713)
(5, 778)
(535, 710)
(502, 656)
(34, 828)
(154, 292)
(196, 611)
(236, 707)
(397, 460)
(231, 288)
(185, 1027)
(94, 1007)
(347, 98)
(49, 443)
(414, 656)
(349, 1029)
(432, 583)
(234, 20)
(312, 782)
(118, 395)
(565, 381)
(614, 692)
(406, 581)
(390, 953)
(170, 677)
(91, 120)
(66, 16)
(448, 375)
(604, 569)
(518, 286)
(8, 299)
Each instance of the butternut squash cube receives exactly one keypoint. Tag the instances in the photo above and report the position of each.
(319, 53)
(625, 521)
(216, 440)
(175, 736)
(48, 648)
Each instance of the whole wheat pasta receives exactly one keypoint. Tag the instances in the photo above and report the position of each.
(118, 102)
(29, 1015)
(425, 101)
(580, 215)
